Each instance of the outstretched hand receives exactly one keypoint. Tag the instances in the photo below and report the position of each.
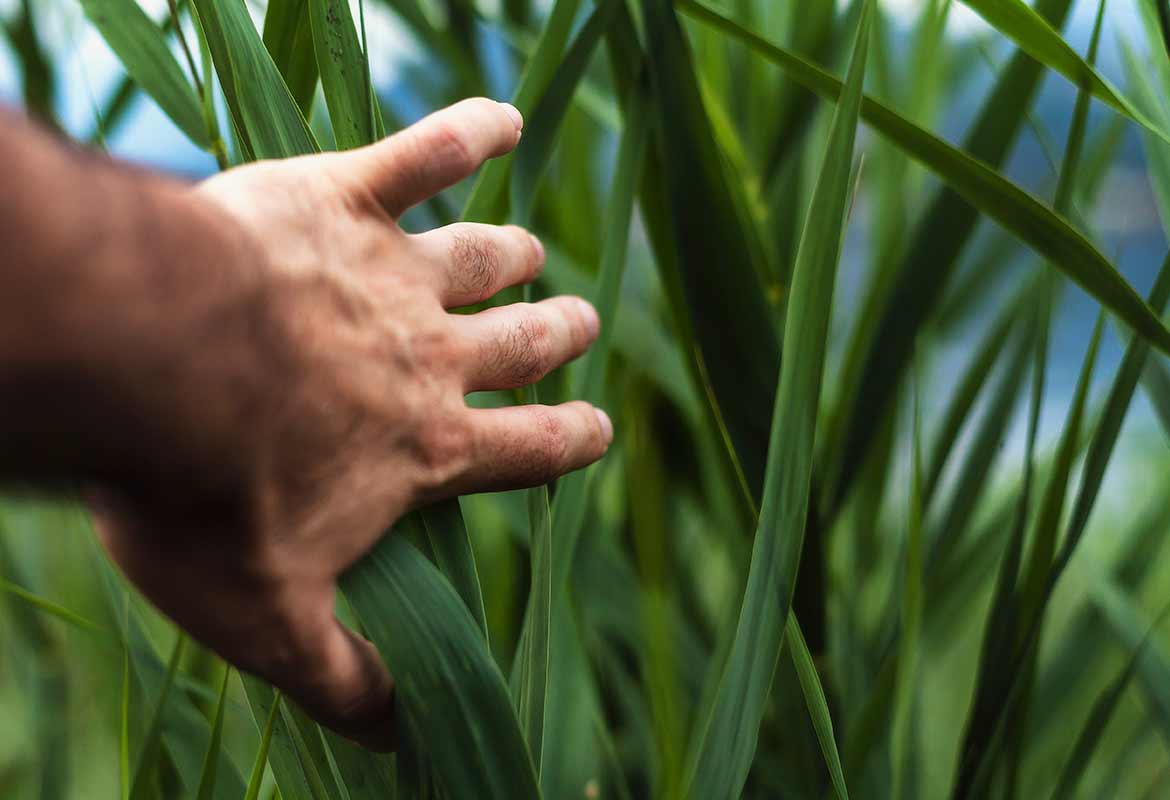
(325, 398)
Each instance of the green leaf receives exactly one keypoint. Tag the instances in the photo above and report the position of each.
(148, 754)
(261, 105)
(49, 607)
(1129, 626)
(569, 506)
(1099, 717)
(288, 35)
(902, 727)
(1038, 39)
(540, 131)
(211, 760)
(261, 761)
(958, 409)
(487, 201)
(530, 670)
(697, 221)
(142, 48)
(977, 184)
(453, 703)
(296, 773)
(726, 739)
(818, 706)
(344, 73)
(451, 546)
(367, 776)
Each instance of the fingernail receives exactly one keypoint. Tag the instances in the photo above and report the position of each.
(606, 426)
(539, 249)
(514, 113)
(590, 318)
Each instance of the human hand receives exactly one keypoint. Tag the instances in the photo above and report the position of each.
(326, 398)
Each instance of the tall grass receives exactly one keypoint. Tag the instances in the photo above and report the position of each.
(809, 566)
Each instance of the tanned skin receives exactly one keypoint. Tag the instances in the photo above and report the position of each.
(253, 377)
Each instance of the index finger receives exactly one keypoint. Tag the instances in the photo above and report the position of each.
(436, 152)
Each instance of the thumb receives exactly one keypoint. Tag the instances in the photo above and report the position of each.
(338, 678)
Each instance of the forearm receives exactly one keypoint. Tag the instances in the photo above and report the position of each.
(109, 277)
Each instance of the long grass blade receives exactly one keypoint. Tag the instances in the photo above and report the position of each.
(148, 754)
(296, 774)
(725, 742)
(142, 48)
(540, 133)
(1099, 717)
(1029, 30)
(488, 199)
(818, 706)
(978, 184)
(211, 760)
(697, 219)
(261, 761)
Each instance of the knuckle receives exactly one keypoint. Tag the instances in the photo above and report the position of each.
(443, 450)
(451, 146)
(477, 265)
(436, 352)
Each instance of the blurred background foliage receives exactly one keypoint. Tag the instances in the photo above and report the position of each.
(983, 570)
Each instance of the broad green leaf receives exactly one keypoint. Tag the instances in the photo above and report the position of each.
(367, 776)
(288, 35)
(310, 750)
(142, 48)
(725, 741)
(344, 73)
(1038, 39)
(260, 102)
(451, 547)
(211, 760)
(453, 703)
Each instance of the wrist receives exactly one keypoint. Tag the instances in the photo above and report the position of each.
(132, 346)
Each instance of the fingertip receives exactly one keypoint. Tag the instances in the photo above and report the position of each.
(589, 318)
(606, 425)
(540, 255)
(515, 115)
